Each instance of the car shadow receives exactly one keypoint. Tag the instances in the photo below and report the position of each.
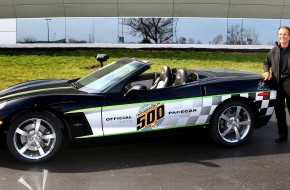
(190, 148)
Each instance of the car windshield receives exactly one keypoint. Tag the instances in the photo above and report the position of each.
(108, 75)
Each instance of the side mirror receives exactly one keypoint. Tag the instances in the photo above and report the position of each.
(102, 58)
(131, 91)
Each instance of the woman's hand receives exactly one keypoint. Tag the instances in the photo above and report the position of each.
(266, 75)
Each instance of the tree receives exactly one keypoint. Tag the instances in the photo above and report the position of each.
(191, 41)
(217, 40)
(29, 39)
(71, 40)
(235, 35)
(199, 42)
(158, 30)
(238, 35)
(182, 40)
(252, 37)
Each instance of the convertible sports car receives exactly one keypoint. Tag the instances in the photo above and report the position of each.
(119, 99)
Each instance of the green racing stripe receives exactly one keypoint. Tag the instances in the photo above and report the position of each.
(135, 132)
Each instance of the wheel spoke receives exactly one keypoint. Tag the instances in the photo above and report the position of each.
(238, 136)
(21, 132)
(226, 131)
(37, 125)
(244, 123)
(41, 152)
(238, 112)
(223, 116)
(23, 149)
(51, 136)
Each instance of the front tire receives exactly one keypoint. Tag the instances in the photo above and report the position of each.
(34, 137)
(232, 124)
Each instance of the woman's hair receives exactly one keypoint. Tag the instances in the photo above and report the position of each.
(285, 27)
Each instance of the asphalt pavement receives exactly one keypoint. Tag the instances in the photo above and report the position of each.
(189, 162)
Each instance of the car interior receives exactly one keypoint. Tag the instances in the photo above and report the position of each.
(166, 78)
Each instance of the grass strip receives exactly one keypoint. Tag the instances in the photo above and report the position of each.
(18, 65)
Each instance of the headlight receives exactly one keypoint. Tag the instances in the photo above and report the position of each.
(2, 104)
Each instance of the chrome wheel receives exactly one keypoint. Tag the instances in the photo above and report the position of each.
(234, 124)
(34, 137)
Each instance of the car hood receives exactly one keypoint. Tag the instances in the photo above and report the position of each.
(38, 87)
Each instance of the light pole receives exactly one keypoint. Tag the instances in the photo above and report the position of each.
(242, 32)
(47, 19)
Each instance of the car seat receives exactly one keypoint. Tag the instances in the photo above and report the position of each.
(164, 80)
(181, 77)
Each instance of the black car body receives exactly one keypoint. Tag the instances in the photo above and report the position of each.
(120, 99)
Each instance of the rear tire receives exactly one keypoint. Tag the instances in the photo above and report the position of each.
(232, 124)
(34, 137)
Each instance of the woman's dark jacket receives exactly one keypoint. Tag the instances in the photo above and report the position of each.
(272, 61)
